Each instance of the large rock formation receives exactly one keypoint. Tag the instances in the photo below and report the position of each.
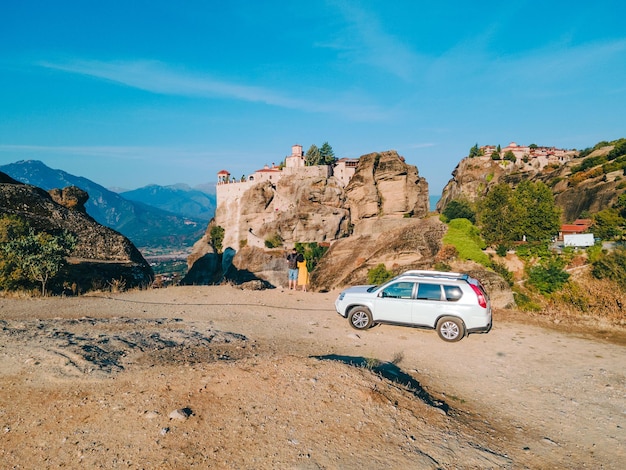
(101, 255)
(412, 246)
(574, 192)
(385, 194)
(296, 208)
(384, 185)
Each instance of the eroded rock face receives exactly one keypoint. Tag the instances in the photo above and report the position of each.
(101, 254)
(71, 197)
(295, 209)
(384, 195)
(414, 245)
(473, 177)
(385, 185)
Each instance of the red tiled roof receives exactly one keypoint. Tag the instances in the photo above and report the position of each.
(573, 228)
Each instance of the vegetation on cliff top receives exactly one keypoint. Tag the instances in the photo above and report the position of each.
(522, 221)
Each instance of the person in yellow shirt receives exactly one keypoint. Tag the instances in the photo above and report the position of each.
(303, 273)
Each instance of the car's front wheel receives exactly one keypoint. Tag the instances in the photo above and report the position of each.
(450, 329)
(360, 318)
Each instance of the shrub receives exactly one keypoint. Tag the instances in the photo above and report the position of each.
(525, 302)
(502, 270)
(217, 237)
(273, 241)
(378, 274)
(611, 266)
(548, 276)
(441, 266)
(501, 250)
(459, 209)
(312, 253)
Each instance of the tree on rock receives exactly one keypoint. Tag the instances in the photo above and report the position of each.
(313, 156)
(323, 155)
(327, 154)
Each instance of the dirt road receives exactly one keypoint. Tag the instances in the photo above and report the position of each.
(93, 381)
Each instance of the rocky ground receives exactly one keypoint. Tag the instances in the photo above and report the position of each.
(217, 377)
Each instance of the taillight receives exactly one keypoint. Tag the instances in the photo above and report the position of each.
(482, 301)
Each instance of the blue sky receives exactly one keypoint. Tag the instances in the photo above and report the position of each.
(130, 93)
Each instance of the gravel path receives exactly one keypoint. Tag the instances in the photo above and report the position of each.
(223, 378)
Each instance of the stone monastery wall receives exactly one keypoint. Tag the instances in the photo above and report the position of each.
(229, 189)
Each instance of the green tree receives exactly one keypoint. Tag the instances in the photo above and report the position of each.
(538, 217)
(39, 256)
(327, 154)
(510, 156)
(475, 151)
(528, 212)
(320, 156)
(459, 209)
(11, 275)
(497, 215)
(217, 237)
(313, 156)
(608, 224)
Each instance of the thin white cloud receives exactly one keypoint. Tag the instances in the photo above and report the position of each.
(365, 41)
(156, 77)
(118, 152)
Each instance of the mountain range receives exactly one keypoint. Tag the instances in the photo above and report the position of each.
(179, 199)
(154, 218)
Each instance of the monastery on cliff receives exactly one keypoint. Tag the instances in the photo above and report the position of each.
(542, 155)
(228, 187)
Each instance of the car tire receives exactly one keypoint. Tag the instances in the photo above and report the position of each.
(450, 329)
(360, 318)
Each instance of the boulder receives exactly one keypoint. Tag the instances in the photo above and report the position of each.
(101, 256)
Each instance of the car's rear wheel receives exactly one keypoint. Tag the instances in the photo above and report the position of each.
(450, 329)
(360, 318)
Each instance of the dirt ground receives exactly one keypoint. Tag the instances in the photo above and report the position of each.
(218, 377)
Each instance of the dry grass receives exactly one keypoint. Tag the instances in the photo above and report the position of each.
(586, 296)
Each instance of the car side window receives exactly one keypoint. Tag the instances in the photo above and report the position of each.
(453, 293)
(399, 290)
(429, 292)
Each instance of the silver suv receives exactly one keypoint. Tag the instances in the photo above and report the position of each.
(454, 304)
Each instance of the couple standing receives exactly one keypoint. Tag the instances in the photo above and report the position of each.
(298, 273)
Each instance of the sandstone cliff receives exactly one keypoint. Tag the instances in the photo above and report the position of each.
(101, 254)
(413, 246)
(385, 194)
(473, 177)
(296, 208)
(384, 185)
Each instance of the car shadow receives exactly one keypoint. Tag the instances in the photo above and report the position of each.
(391, 372)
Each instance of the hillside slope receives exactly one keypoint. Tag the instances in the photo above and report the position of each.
(588, 182)
(145, 226)
(101, 254)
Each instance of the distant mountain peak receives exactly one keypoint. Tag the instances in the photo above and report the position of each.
(144, 222)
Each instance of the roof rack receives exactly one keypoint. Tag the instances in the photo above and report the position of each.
(441, 274)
